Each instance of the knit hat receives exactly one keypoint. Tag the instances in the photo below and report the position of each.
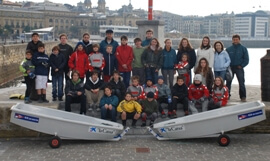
(160, 77)
(198, 77)
(150, 95)
(79, 43)
(149, 79)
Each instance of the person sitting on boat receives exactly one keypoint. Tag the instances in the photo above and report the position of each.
(198, 95)
(220, 94)
(74, 92)
(129, 109)
(135, 89)
(149, 87)
(117, 85)
(149, 109)
(94, 91)
(179, 95)
(108, 104)
(164, 95)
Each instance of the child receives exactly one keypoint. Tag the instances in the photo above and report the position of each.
(149, 87)
(111, 63)
(94, 91)
(135, 89)
(96, 60)
(164, 95)
(179, 95)
(150, 109)
(79, 61)
(137, 66)
(198, 95)
(28, 70)
(124, 56)
(183, 68)
(75, 92)
(129, 109)
(41, 62)
(206, 73)
(149, 37)
(219, 96)
(118, 86)
(108, 104)
(57, 62)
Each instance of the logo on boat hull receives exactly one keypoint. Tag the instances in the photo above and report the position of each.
(26, 118)
(101, 130)
(172, 129)
(250, 115)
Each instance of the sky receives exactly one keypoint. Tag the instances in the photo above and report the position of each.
(184, 7)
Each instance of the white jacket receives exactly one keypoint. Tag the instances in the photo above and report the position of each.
(208, 54)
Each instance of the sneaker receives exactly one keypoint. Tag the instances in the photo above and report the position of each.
(26, 101)
(151, 123)
(186, 113)
(174, 114)
(243, 99)
(60, 99)
(46, 101)
(169, 114)
(54, 99)
(143, 124)
(163, 115)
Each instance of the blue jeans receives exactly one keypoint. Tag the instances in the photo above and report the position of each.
(240, 74)
(221, 74)
(106, 112)
(126, 78)
(150, 73)
(57, 84)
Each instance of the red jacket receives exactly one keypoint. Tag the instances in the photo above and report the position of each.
(196, 92)
(124, 55)
(220, 95)
(79, 61)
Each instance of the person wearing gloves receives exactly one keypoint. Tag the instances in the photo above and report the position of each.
(198, 95)
(149, 109)
(220, 94)
(41, 62)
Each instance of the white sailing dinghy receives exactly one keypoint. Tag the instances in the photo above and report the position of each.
(65, 125)
(209, 123)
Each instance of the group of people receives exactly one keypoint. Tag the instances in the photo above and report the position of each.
(101, 73)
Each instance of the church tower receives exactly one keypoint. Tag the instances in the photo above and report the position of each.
(101, 6)
(88, 5)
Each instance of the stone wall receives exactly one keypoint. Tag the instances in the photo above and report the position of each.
(10, 58)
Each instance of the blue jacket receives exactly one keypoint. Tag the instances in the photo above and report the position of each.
(239, 55)
(169, 58)
(57, 61)
(191, 57)
(146, 42)
(104, 43)
(110, 63)
(40, 60)
(113, 100)
(221, 61)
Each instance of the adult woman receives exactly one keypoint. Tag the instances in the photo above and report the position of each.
(220, 94)
(169, 60)
(205, 51)
(152, 60)
(221, 60)
(185, 47)
(75, 92)
(206, 72)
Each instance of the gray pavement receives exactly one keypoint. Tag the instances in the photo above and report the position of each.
(243, 147)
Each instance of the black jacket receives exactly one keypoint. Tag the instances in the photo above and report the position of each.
(120, 86)
(66, 50)
(32, 46)
(89, 84)
(191, 57)
(74, 87)
(57, 61)
(180, 91)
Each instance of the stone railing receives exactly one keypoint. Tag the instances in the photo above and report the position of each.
(10, 58)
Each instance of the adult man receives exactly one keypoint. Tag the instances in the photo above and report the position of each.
(108, 41)
(239, 59)
(149, 36)
(66, 50)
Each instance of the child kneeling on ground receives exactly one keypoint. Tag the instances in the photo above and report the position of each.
(150, 109)
(129, 109)
(198, 95)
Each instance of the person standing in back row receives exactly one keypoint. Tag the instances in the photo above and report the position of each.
(239, 59)
(149, 37)
(108, 41)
